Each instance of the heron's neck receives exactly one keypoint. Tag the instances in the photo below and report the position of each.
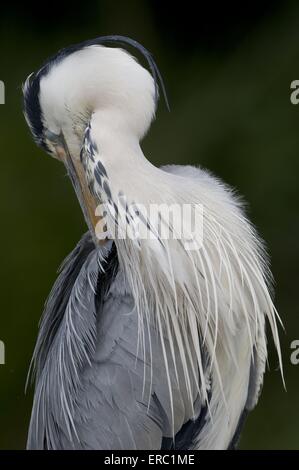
(119, 151)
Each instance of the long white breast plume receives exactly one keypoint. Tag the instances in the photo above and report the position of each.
(209, 303)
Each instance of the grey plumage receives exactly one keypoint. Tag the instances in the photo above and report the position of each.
(99, 398)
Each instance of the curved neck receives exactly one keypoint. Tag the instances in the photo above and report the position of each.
(119, 151)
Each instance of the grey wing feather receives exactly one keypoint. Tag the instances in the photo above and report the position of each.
(57, 301)
(95, 388)
(64, 348)
(122, 405)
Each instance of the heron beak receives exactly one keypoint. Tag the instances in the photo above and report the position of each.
(78, 179)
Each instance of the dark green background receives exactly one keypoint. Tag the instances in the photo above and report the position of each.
(228, 73)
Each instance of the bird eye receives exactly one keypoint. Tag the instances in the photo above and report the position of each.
(56, 144)
(53, 138)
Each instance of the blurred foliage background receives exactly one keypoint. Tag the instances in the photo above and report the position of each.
(228, 72)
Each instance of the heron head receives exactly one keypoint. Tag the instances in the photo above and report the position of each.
(80, 80)
(83, 81)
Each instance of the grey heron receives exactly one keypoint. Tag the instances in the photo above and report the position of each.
(144, 343)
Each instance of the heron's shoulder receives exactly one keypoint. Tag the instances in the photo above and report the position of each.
(218, 190)
(197, 173)
(184, 170)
